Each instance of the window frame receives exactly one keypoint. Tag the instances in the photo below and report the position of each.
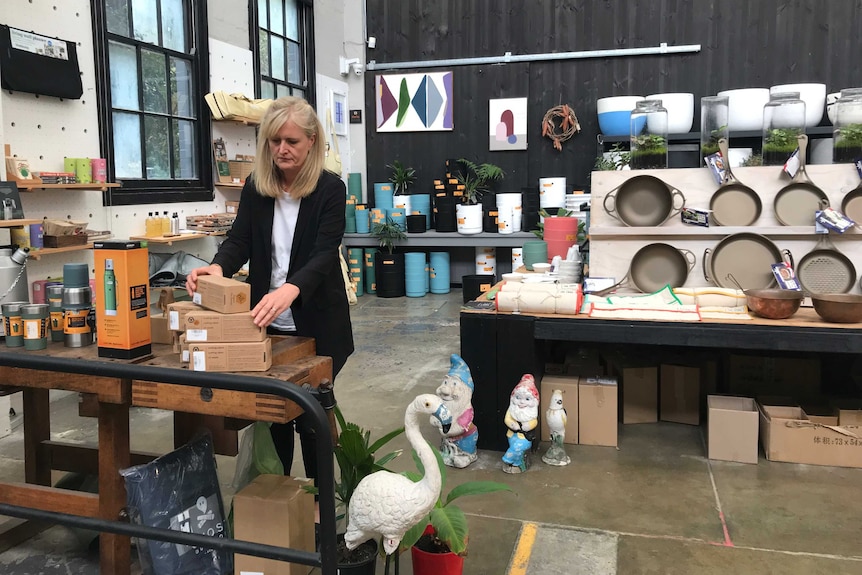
(134, 191)
(306, 41)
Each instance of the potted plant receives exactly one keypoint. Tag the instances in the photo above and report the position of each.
(848, 144)
(617, 158)
(389, 264)
(474, 180)
(779, 144)
(438, 546)
(356, 458)
(648, 151)
(539, 232)
(401, 177)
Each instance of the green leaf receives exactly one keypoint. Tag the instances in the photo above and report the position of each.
(450, 526)
(413, 534)
(475, 488)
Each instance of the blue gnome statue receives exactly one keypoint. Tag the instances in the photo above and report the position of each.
(458, 447)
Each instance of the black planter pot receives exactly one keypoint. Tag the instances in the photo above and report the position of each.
(366, 565)
(389, 273)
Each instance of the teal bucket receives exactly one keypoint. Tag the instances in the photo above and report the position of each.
(439, 272)
(370, 282)
(383, 195)
(363, 222)
(354, 186)
(399, 216)
(534, 251)
(355, 268)
(421, 204)
(414, 274)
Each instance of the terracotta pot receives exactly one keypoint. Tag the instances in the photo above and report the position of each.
(425, 563)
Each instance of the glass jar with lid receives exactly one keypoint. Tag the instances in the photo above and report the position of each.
(648, 136)
(847, 135)
(783, 123)
(714, 112)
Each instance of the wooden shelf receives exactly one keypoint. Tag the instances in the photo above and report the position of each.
(41, 252)
(238, 186)
(169, 240)
(31, 186)
(603, 232)
(17, 223)
(444, 240)
(239, 120)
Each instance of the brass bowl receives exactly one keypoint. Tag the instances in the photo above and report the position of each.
(773, 303)
(839, 307)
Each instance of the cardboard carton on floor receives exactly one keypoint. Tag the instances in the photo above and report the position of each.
(597, 411)
(159, 331)
(207, 325)
(569, 386)
(732, 425)
(680, 394)
(225, 295)
(243, 356)
(788, 435)
(639, 387)
(274, 510)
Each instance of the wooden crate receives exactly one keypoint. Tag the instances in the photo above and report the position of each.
(64, 241)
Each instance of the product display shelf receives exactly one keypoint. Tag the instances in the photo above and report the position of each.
(694, 137)
(710, 232)
(33, 186)
(169, 240)
(238, 186)
(17, 223)
(239, 120)
(42, 252)
(444, 239)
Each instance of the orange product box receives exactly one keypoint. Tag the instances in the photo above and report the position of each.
(122, 299)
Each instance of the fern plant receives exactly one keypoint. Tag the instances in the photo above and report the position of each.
(477, 179)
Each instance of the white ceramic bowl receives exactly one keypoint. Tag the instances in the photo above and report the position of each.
(513, 277)
(680, 111)
(541, 267)
(745, 108)
(614, 114)
(814, 96)
(617, 104)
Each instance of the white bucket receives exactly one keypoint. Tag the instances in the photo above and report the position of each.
(513, 200)
(517, 258)
(552, 192)
(402, 202)
(469, 218)
(486, 261)
(505, 220)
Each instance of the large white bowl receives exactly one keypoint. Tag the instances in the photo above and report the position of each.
(680, 111)
(855, 115)
(745, 108)
(814, 96)
(617, 104)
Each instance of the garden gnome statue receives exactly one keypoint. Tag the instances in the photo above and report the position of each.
(522, 417)
(458, 447)
(555, 417)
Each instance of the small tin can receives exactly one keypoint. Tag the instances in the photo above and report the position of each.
(35, 319)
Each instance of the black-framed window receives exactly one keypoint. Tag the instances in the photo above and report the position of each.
(284, 48)
(153, 71)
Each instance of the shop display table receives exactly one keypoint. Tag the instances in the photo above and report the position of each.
(158, 380)
(501, 347)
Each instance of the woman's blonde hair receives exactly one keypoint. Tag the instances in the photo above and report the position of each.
(265, 173)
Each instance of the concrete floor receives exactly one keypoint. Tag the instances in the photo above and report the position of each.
(655, 505)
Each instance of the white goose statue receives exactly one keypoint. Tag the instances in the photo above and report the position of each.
(387, 504)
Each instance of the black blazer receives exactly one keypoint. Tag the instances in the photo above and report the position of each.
(321, 311)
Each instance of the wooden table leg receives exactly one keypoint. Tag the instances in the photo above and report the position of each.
(37, 428)
(115, 550)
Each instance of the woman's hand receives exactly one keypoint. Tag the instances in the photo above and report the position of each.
(192, 278)
(274, 304)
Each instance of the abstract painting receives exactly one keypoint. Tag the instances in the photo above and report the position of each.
(414, 102)
(508, 124)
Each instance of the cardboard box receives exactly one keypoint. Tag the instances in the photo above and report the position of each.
(732, 425)
(122, 299)
(274, 510)
(206, 325)
(569, 387)
(159, 332)
(231, 207)
(222, 294)
(639, 386)
(788, 435)
(183, 348)
(177, 312)
(680, 394)
(597, 411)
(851, 417)
(244, 356)
(753, 375)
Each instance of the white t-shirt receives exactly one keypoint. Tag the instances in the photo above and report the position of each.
(283, 228)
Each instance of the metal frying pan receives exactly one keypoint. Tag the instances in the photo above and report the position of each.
(733, 203)
(643, 201)
(655, 266)
(851, 205)
(796, 202)
(825, 269)
(747, 257)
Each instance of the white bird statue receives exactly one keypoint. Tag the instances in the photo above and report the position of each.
(556, 418)
(387, 504)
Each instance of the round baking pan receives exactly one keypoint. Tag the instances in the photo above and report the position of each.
(747, 257)
(825, 270)
(796, 202)
(643, 201)
(733, 203)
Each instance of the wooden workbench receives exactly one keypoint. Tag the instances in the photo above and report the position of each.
(293, 361)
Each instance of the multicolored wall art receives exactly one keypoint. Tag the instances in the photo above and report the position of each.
(414, 102)
(508, 124)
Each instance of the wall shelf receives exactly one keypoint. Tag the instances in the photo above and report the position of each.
(238, 186)
(41, 252)
(710, 232)
(169, 240)
(32, 186)
(818, 131)
(444, 240)
(17, 223)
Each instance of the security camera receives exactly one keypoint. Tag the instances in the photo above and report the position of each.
(358, 69)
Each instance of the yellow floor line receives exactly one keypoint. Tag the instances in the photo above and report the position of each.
(521, 557)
